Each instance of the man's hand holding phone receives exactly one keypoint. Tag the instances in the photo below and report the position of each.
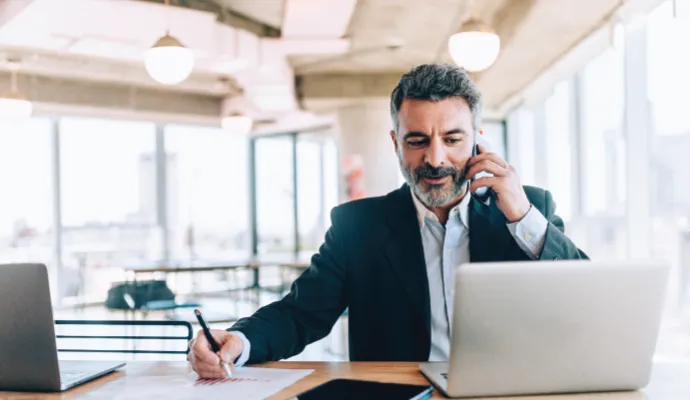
(505, 183)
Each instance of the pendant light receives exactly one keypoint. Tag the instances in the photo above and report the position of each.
(476, 46)
(12, 104)
(168, 61)
(237, 123)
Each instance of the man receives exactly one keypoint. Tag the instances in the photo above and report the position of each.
(391, 259)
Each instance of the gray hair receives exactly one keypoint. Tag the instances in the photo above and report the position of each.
(436, 82)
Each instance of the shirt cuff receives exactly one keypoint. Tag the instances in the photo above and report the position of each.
(530, 232)
(242, 359)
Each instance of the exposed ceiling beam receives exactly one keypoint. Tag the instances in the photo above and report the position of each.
(92, 69)
(227, 16)
(111, 97)
(326, 92)
(328, 86)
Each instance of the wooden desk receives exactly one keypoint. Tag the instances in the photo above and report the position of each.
(670, 381)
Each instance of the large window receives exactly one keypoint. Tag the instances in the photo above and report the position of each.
(603, 227)
(494, 136)
(331, 177)
(628, 158)
(668, 62)
(26, 214)
(115, 193)
(275, 200)
(207, 193)
(559, 147)
(603, 141)
(520, 150)
(296, 188)
(310, 200)
(317, 191)
(108, 178)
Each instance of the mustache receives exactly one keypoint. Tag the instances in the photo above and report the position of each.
(428, 171)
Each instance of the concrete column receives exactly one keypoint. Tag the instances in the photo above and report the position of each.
(363, 130)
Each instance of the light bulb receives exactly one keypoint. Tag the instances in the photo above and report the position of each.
(168, 61)
(237, 124)
(475, 47)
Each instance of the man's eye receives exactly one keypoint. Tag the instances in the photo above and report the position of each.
(453, 140)
(416, 143)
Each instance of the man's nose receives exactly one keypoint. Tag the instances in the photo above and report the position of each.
(436, 153)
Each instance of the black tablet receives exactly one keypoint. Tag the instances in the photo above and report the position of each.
(342, 389)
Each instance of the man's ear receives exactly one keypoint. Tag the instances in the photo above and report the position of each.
(395, 140)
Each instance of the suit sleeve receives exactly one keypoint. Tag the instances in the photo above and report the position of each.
(317, 298)
(557, 246)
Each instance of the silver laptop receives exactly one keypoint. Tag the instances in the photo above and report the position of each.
(524, 328)
(28, 352)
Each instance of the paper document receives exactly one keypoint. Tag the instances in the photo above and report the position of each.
(246, 383)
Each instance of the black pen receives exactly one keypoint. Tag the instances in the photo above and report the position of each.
(212, 342)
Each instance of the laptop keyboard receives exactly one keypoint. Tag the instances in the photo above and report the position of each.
(67, 377)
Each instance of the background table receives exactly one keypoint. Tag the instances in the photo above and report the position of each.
(284, 260)
(670, 381)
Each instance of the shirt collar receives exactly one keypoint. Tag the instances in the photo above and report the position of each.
(423, 213)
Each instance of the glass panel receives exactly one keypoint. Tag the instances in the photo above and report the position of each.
(310, 193)
(602, 227)
(603, 103)
(208, 193)
(558, 146)
(274, 195)
(493, 135)
(667, 78)
(331, 178)
(108, 201)
(521, 135)
(26, 215)
(317, 167)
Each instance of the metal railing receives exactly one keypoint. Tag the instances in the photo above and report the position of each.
(133, 338)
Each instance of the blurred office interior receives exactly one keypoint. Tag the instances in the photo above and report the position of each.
(285, 115)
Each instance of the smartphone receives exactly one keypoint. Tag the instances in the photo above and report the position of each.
(349, 389)
(481, 193)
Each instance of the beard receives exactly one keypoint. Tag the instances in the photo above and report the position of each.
(434, 195)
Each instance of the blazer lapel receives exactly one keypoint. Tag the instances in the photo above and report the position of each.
(404, 251)
(490, 239)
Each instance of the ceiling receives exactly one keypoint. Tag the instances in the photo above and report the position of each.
(237, 39)
(269, 12)
(88, 41)
(534, 34)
